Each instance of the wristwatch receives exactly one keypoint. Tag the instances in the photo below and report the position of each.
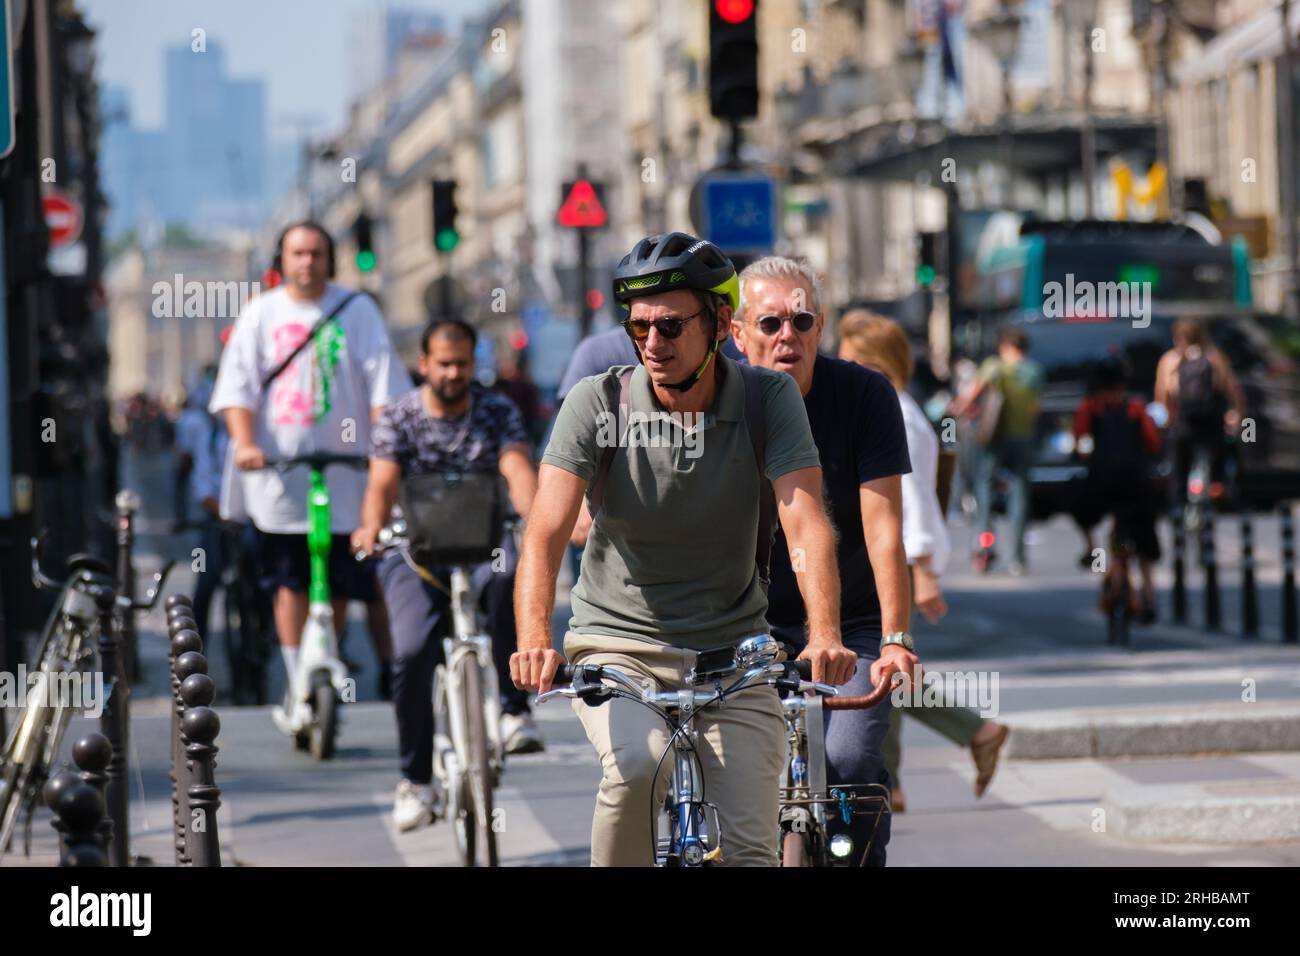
(899, 637)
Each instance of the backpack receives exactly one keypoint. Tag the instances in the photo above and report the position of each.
(755, 424)
(1118, 454)
(1200, 403)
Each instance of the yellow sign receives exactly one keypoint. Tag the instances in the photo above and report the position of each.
(1152, 190)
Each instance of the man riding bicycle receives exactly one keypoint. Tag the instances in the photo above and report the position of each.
(671, 566)
(447, 425)
(858, 425)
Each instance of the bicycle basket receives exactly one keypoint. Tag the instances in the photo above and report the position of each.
(453, 518)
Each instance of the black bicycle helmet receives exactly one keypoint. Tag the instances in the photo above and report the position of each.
(675, 260)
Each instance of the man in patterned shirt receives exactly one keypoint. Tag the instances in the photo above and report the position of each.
(449, 424)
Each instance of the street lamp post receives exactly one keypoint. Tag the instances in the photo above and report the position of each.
(1000, 33)
(1087, 11)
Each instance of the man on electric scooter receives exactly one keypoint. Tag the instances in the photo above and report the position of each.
(323, 400)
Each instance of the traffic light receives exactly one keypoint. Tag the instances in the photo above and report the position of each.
(361, 234)
(733, 58)
(445, 236)
(927, 258)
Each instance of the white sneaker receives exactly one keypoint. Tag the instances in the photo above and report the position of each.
(519, 734)
(412, 806)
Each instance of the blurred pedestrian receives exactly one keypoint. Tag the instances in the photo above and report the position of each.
(516, 384)
(1195, 381)
(207, 441)
(193, 426)
(1010, 384)
(881, 344)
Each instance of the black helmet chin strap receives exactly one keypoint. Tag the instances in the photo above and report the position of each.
(689, 383)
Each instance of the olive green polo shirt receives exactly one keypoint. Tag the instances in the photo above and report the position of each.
(670, 557)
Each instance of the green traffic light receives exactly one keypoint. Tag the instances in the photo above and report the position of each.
(366, 260)
(446, 240)
(924, 275)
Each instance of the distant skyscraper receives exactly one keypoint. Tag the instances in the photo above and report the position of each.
(380, 36)
(215, 142)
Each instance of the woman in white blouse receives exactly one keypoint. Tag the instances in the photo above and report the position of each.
(881, 344)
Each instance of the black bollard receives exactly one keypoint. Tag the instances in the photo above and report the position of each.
(1210, 568)
(1249, 595)
(1180, 568)
(1290, 625)
(173, 600)
(184, 641)
(199, 728)
(181, 612)
(92, 754)
(114, 723)
(78, 809)
(54, 787)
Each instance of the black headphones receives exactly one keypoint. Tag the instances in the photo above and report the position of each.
(277, 259)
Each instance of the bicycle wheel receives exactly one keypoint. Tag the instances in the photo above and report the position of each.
(232, 638)
(325, 720)
(460, 802)
(478, 764)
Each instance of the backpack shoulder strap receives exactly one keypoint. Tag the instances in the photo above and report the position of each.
(756, 425)
(596, 498)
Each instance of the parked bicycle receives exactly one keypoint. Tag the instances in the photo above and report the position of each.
(691, 835)
(68, 646)
(249, 623)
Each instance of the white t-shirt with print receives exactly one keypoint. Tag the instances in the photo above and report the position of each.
(289, 419)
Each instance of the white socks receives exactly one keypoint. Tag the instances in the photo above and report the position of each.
(290, 655)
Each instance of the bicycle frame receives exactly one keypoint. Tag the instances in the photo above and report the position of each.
(694, 833)
(468, 641)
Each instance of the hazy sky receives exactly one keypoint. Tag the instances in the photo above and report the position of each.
(298, 46)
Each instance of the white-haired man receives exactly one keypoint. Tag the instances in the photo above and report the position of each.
(862, 444)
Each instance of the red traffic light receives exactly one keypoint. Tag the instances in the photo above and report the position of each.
(734, 11)
(595, 299)
(519, 340)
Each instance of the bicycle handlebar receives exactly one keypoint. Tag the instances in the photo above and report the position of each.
(318, 460)
(587, 682)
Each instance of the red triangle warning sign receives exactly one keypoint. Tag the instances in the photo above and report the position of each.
(582, 207)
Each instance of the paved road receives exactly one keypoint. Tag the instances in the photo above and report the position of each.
(1041, 634)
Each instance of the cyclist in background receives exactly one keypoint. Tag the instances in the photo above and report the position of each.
(448, 424)
(862, 447)
(1205, 401)
(1123, 445)
(1018, 380)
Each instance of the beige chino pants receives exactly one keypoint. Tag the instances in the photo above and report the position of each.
(741, 747)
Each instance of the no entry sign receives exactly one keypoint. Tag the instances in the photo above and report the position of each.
(63, 219)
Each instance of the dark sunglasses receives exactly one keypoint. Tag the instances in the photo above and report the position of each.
(771, 324)
(669, 328)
